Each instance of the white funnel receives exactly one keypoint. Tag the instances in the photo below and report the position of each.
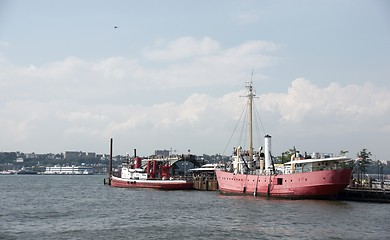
(267, 151)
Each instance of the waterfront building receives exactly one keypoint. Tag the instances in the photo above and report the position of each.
(69, 155)
(162, 153)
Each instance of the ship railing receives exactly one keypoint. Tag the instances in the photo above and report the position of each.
(204, 176)
(182, 177)
(318, 155)
(313, 169)
(320, 168)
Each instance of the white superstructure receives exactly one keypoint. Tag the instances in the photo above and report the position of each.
(74, 170)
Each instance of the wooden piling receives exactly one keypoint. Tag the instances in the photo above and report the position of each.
(110, 173)
(205, 183)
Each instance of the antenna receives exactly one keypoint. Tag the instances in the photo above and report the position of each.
(253, 69)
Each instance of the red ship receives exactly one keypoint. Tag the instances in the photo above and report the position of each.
(156, 174)
(254, 172)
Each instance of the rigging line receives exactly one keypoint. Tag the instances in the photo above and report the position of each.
(258, 132)
(261, 139)
(246, 164)
(235, 128)
(258, 115)
(273, 162)
(244, 128)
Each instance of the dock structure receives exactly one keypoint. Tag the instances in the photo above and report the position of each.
(365, 195)
(205, 183)
(348, 194)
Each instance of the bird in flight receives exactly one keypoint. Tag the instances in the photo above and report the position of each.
(116, 27)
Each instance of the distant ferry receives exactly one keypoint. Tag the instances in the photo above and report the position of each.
(69, 170)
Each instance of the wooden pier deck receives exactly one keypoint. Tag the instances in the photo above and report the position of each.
(365, 195)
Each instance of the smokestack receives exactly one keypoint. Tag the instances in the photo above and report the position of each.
(135, 152)
(267, 151)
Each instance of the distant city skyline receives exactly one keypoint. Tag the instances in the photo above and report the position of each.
(161, 75)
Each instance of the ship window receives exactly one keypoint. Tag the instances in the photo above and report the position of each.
(279, 181)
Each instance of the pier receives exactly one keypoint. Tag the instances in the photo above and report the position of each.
(370, 191)
(365, 195)
(205, 183)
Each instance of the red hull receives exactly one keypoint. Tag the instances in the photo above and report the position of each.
(315, 184)
(157, 184)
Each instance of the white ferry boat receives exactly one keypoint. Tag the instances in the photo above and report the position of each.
(69, 170)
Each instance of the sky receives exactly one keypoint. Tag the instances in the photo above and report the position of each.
(169, 75)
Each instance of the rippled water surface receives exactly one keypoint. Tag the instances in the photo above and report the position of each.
(81, 207)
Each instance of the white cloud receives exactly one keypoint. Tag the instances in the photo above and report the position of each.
(202, 121)
(77, 104)
(73, 78)
(184, 47)
(350, 107)
(81, 116)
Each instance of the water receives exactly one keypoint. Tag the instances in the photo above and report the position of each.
(81, 207)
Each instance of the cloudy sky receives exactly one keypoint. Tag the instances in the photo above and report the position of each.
(172, 72)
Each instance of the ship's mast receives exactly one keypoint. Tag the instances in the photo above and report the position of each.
(250, 95)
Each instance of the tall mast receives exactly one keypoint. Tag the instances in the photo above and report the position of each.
(251, 94)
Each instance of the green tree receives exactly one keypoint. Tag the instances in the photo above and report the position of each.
(363, 163)
(286, 156)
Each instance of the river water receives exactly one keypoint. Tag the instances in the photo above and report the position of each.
(81, 207)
